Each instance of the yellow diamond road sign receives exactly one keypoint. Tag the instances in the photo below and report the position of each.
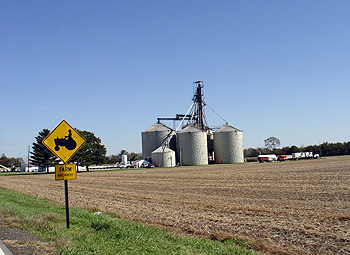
(64, 141)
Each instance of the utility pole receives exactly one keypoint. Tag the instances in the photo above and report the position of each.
(28, 158)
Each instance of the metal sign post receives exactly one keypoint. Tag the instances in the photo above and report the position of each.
(66, 200)
(66, 172)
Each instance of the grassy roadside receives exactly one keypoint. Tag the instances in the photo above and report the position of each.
(92, 233)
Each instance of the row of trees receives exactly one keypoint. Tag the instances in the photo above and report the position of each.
(91, 153)
(324, 149)
(8, 162)
(117, 158)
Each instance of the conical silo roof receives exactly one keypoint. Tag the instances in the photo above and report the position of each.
(158, 127)
(190, 129)
(162, 150)
(228, 128)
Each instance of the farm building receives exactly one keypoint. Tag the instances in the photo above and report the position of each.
(196, 143)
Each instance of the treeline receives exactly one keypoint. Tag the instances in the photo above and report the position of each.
(117, 158)
(8, 162)
(324, 149)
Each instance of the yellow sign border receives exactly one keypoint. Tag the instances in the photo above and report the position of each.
(53, 151)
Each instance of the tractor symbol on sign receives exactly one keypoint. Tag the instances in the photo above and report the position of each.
(67, 142)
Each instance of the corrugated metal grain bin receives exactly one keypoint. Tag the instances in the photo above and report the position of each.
(228, 145)
(192, 146)
(163, 157)
(156, 136)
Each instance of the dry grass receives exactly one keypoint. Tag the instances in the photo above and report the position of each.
(300, 207)
(32, 247)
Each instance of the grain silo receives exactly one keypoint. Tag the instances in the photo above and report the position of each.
(228, 145)
(196, 144)
(154, 137)
(163, 157)
(192, 146)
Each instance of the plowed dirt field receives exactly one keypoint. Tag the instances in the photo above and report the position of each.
(299, 207)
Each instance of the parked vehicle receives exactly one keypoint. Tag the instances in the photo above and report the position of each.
(124, 165)
(267, 158)
(302, 155)
(144, 164)
(294, 156)
(282, 158)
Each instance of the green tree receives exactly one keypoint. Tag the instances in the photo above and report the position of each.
(312, 148)
(112, 159)
(292, 150)
(263, 151)
(325, 149)
(285, 150)
(119, 156)
(5, 161)
(347, 146)
(277, 151)
(251, 152)
(40, 155)
(134, 156)
(92, 152)
(8, 162)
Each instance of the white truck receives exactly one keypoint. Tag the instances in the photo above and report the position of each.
(303, 155)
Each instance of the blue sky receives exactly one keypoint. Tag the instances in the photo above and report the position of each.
(270, 68)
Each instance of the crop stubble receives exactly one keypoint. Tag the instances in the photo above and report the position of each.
(300, 207)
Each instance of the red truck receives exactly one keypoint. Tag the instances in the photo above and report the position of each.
(282, 158)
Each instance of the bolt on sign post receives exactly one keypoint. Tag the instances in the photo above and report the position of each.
(64, 141)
